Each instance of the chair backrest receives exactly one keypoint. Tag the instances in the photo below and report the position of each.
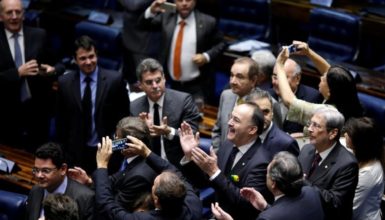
(108, 43)
(245, 18)
(12, 205)
(335, 35)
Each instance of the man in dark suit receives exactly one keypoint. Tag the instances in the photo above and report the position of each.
(25, 92)
(90, 103)
(50, 170)
(240, 162)
(303, 92)
(173, 198)
(138, 43)
(292, 199)
(134, 180)
(328, 166)
(190, 43)
(173, 108)
(272, 137)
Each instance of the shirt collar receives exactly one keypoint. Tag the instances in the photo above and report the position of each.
(190, 18)
(130, 159)
(159, 102)
(326, 152)
(265, 132)
(61, 189)
(93, 75)
(244, 148)
(10, 34)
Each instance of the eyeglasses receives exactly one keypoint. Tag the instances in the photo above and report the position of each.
(313, 124)
(44, 171)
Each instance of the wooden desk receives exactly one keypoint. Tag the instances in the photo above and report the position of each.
(209, 119)
(22, 172)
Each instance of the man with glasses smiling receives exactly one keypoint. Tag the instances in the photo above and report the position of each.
(172, 107)
(50, 171)
(272, 137)
(329, 167)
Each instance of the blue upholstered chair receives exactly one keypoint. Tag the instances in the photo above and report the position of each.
(242, 19)
(335, 35)
(374, 108)
(107, 40)
(12, 205)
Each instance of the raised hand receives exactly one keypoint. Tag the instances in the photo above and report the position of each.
(187, 139)
(254, 197)
(219, 213)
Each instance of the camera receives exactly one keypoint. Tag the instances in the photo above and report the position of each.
(292, 48)
(119, 144)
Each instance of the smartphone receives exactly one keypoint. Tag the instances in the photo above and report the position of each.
(292, 48)
(42, 70)
(119, 144)
(168, 7)
(205, 148)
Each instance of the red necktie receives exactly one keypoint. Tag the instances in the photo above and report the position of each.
(315, 163)
(178, 50)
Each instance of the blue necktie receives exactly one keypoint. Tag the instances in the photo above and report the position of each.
(25, 92)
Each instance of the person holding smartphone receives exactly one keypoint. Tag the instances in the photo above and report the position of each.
(190, 43)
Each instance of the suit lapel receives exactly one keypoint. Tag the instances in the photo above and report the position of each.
(326, 165)
(169, 102)
(100, 88)
(76, 91)
(36, 205)
(6, 46)
(308, 159)
(226, 148)
(199, 25)
(246, 157)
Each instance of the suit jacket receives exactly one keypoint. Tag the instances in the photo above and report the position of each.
(305, 206)
(226, 105)
(178, 107)
(251, 170)
(277, 140)
(303, 92)
(82, 195)
(335, 179)
(209, 39)
(112, 104)
(128, 185)
(37, 110)
(191, 209)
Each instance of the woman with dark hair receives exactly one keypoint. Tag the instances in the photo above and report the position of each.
(365, 139)
(337, 86)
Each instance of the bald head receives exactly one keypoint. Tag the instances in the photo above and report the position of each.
(12, 14)
(293, 74)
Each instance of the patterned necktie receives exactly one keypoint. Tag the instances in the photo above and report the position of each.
(178, 51)
(156, 139)
(87, 109)
(230, 161)
(25, 92)
(314, 164)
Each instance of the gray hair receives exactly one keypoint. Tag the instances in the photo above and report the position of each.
(257, 94)
(297, 68)
(148, 65)
(334, 119)
(265, 60)
(286, 171)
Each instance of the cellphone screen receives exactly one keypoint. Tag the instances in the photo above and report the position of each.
(119, 144)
